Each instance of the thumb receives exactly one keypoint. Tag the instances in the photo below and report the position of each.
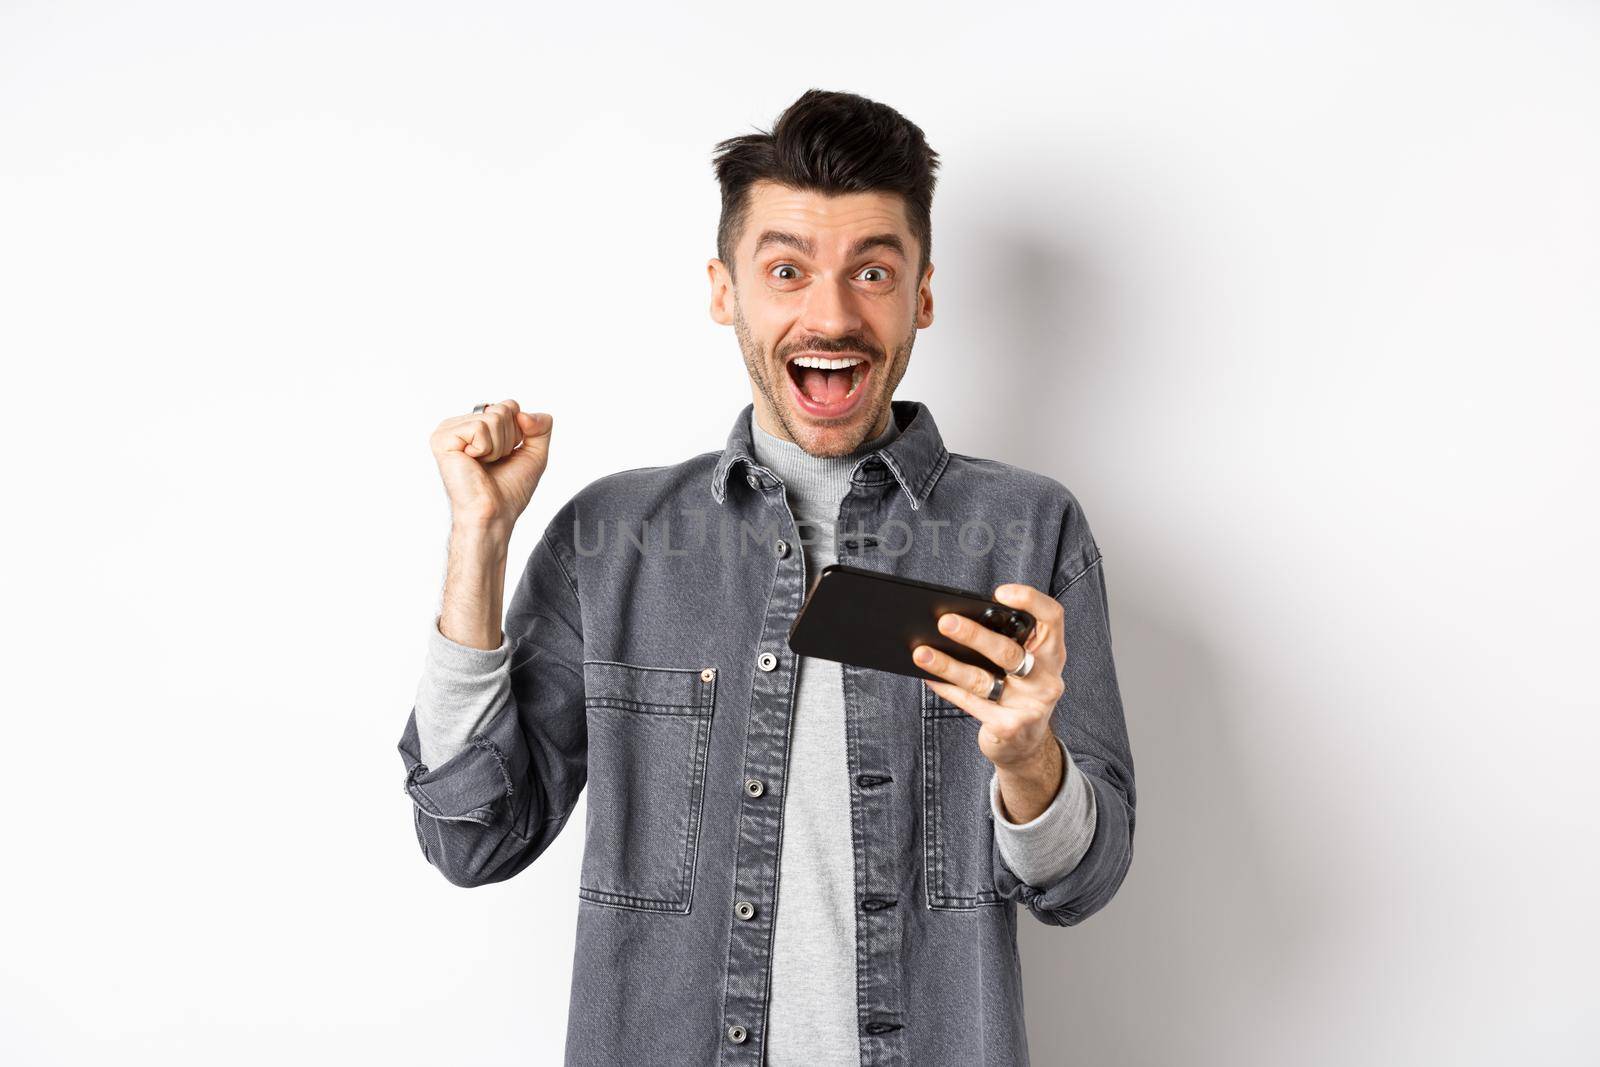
(535, 446)
(533, 424)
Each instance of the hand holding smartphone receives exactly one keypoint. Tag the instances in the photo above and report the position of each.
(871, 619)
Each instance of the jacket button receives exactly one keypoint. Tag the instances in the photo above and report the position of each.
(708, 674)
(754, 787)
(737, 1034)
(781, 547)
(766, 661)
(745, 910)
(753, 481)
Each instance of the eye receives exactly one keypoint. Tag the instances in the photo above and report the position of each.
(881, 271)
(788, 267)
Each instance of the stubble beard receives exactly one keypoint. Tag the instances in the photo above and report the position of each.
(760, 366)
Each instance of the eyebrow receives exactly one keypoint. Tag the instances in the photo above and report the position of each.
(806, 246)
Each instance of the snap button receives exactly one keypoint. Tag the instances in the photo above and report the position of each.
(752, 481)
(781, 547)
(737, 1034)
(708, 674)
(766, 661)
(744, 909)
(754, 787)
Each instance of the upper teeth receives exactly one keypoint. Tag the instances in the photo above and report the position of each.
(818, 363)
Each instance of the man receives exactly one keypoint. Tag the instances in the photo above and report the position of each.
(786, 860)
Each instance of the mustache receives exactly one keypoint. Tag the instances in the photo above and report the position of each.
(855, 348)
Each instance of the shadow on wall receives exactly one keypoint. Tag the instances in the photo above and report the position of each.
(1205, 931)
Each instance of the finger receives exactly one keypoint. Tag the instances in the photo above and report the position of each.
(985, 711)
(470, 434)
(1046, 640)
(1035, 602)
(507, 432)
(973, 680)
(495, 418)
(1007, 728)
(505, 427)
(455, 434)
(478, 442)
(996, 647)
(445, 432)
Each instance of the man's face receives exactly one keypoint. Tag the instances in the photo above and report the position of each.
(830, 279)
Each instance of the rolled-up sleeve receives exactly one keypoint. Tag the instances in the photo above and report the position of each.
(510, 740)
(1089, 723)
(460, 689)
(1050, 844)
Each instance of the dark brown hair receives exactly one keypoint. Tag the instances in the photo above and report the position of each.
(830, 142)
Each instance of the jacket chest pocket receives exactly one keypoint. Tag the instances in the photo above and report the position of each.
(957, 828)
(649, 730)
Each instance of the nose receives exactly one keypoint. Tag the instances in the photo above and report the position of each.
(831, 309)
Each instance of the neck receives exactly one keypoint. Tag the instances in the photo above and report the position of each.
(815, 484)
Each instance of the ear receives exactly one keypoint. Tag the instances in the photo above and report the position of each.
(721, 291)
(925, 299)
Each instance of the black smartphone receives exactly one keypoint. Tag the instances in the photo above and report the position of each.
(872, 619)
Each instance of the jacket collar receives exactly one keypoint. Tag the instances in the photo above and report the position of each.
(916, 457)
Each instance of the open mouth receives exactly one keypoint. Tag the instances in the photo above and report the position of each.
(827, 386)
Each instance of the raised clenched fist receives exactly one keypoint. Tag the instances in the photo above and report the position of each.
(491, 462)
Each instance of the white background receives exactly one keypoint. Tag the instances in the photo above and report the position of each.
(1300, 301)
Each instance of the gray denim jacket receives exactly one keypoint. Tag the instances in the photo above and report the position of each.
(649, 660)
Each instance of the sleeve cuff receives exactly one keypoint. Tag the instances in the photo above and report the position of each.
(460, 690)
(1048, 847)
(457, 660)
